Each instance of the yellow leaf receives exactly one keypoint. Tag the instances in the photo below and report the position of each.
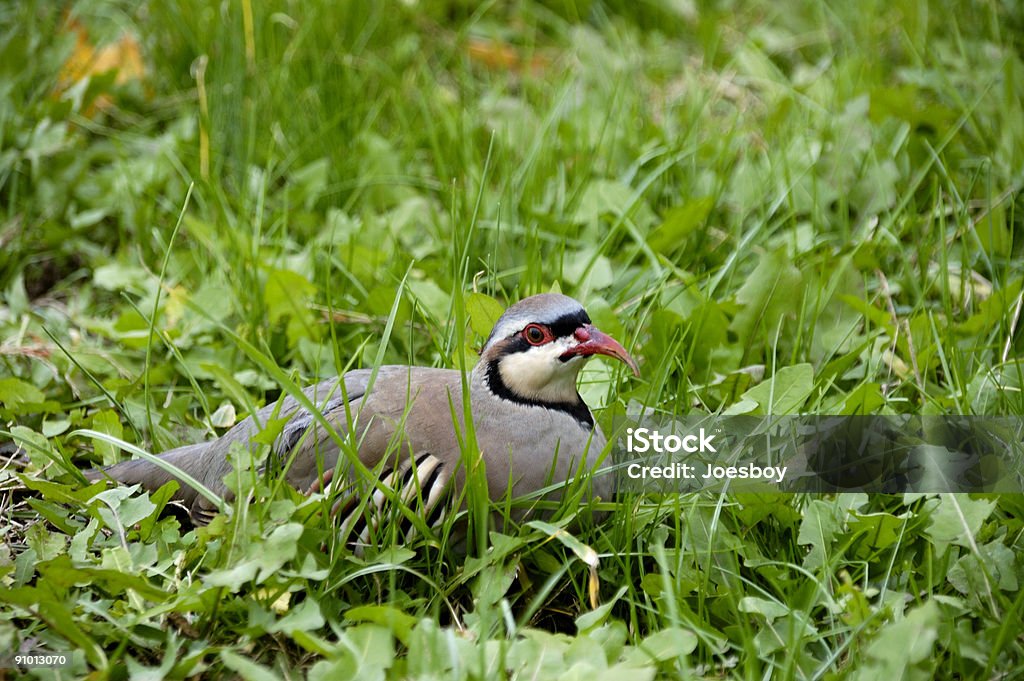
(123, 56)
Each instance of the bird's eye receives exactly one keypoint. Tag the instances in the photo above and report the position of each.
(534, 334)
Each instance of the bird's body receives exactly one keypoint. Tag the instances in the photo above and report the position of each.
(531, 426)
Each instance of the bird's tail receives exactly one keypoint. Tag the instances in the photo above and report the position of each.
(150, 475)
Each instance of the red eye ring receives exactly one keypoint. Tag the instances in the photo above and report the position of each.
(535, 334)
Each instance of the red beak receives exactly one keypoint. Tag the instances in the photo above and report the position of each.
(594, 342)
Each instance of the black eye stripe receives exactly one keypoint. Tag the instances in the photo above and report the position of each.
(566, 324)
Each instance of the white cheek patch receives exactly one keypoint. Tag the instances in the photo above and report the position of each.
(540, 374)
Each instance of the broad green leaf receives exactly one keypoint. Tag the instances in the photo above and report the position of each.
(785, 392)
(233, 578)
(743, 406)
(60, 572)
(65, 494)
(54, 427)
(584, 655)
(394, 555)
(975, 575)
(279, 548)
(56, 514)
(606, 318)
(589, 270)
(46, 544)
(373, 647)
(771, 292)
(625, 671)
(819, 528)
(396, 621)
(595, 618)
(611, 637)
(956, 519)
(82, 541)
(492, 583)
(679, 223)
(483, 312)
(160, 498)
(224, 417)
(287, 295)
(15, 392)
(263, 559)
(118, 276)
(430, 650)
(434, 300)
(866, 399)
(120, 510)
(906, 641)
(339, 667)
(304, 617)
(878, 530)
(663, 645)
(272, 428)
(307, 184)
(603, 197)
(993, 389)
(774, 636)
(313, 643)
(310, 569)
(878, 317)
(537, 654)
(770, 610)
(246, 668)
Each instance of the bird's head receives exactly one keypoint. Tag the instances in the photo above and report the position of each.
(537, 348)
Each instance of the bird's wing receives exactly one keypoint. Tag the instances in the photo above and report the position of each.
(402, 428)
(403, 414)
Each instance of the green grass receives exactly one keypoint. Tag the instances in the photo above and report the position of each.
(734, 189)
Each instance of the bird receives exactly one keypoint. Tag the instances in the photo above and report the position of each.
(531, 425)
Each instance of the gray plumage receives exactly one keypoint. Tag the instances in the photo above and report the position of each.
(531, 425)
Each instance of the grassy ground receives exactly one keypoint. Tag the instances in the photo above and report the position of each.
(828, 192)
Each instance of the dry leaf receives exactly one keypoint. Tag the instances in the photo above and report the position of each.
(124, 56)
(502, 56)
